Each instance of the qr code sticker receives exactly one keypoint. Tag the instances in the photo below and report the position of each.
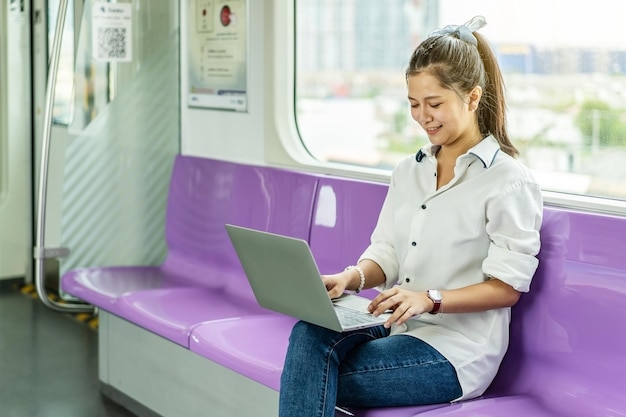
(111, 44)
(111, 36)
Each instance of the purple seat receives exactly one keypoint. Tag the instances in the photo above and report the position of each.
(566, 340)
(201, 279)
(174, 312)
(103, 286)
(345, 215)
(492, 407)
(566, 349)
(205, 194)
(254, 346)
(393, 411)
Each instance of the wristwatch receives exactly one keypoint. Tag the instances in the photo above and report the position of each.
(436, 297)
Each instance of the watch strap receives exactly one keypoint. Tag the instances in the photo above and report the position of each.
(436, 301)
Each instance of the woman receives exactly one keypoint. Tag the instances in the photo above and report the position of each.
(455, 245)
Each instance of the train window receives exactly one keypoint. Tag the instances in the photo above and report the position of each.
(564, 65)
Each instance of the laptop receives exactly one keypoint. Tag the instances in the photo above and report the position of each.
(285, 278)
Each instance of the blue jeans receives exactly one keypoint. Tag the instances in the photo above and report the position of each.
(362, 368)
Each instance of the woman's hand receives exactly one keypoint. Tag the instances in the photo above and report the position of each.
(403, 303)
(336, 284)
(350, 279)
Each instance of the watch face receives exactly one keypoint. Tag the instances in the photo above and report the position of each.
(434, 295)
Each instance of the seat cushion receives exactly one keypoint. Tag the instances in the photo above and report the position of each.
(174, 312)
(252, 346)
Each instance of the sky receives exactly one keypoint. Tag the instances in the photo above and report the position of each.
(549, 23)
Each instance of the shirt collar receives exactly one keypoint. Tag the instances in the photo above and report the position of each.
(485, 150)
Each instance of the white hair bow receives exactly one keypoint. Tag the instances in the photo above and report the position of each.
(464, 31)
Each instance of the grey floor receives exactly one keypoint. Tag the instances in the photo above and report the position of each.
(48, 362)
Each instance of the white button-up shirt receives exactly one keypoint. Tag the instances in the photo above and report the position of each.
(484, 223)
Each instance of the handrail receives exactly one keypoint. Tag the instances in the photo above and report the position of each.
(40, 251)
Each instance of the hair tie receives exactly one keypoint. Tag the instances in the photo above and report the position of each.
(464, 31)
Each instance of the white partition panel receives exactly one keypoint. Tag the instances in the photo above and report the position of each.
(15, 211)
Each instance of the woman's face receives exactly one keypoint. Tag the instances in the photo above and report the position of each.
(446, 118)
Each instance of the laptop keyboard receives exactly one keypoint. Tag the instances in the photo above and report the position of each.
(350, 317)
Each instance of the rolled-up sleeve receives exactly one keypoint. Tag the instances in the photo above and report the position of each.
(513, 224)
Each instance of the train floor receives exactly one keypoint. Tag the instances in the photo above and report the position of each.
(48, 361)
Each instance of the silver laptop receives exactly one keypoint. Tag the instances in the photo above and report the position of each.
(285, 278)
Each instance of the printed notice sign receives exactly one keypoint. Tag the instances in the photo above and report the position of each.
(111, 36)
(217, 54)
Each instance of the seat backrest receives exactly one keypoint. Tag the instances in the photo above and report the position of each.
(206, 194)
(567, 338)
(346, 212)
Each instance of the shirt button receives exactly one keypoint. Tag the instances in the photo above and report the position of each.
(423, 206)
(413, 243)
(407, 279)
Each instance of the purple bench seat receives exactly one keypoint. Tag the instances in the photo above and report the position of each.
(566, 350)
(103, 286)
(492, 407)
(201, 278)
(254, 346)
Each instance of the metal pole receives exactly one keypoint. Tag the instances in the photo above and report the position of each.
(40, 251)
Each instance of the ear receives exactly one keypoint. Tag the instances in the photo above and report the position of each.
(474, 97)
